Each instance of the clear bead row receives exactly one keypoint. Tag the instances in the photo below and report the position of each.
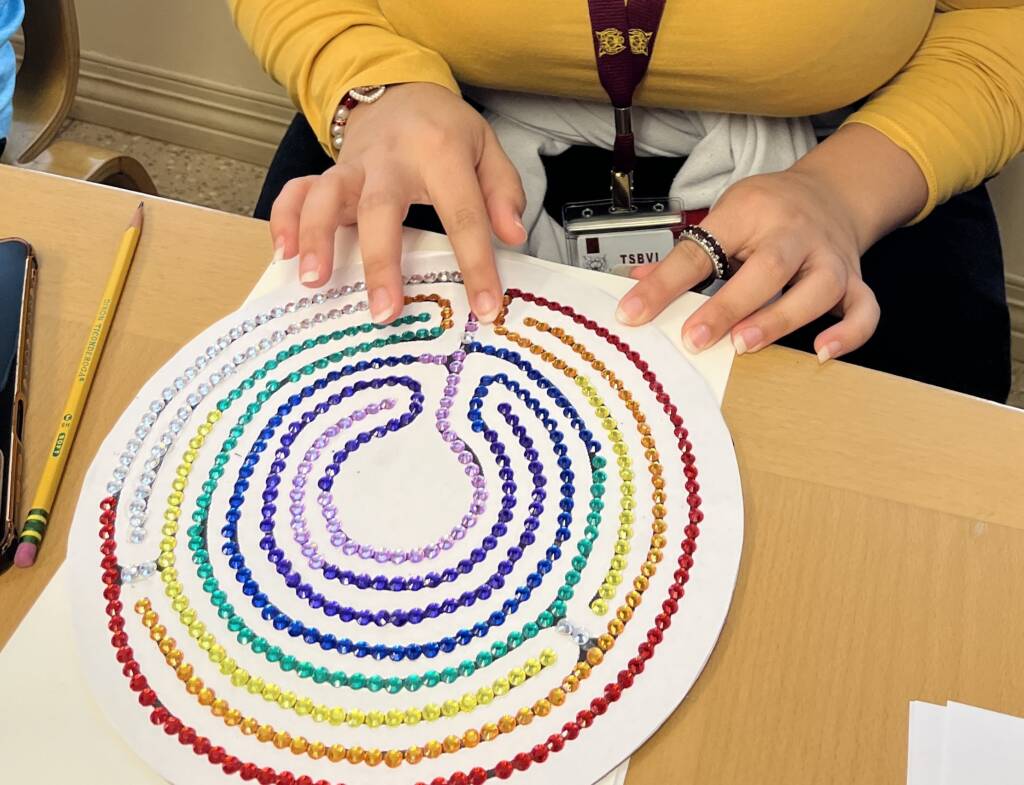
(580, 635)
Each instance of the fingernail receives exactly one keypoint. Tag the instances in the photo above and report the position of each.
(308, 272)
(380, 305)
(828, 351)
(519, 225)
(631, 309)
(696, 338)
(485, 307)
(278, 250)
(747, 339)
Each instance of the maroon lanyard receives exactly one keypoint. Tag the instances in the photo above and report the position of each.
(624, 34)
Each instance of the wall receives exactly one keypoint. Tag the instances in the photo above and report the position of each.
(177, 71)
(1008, 194)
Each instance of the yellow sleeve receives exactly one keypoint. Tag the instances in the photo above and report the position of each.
(321, 49)
(957, 107)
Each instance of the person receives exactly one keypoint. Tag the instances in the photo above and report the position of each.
(11, 14)
(841, 147)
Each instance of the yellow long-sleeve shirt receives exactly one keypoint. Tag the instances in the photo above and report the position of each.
(944, 80)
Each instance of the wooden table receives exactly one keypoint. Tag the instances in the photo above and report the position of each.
(884, 549)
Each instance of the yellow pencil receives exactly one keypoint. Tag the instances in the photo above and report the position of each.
(35, 523)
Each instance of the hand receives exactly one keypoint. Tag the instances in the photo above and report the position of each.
(419, 144)
(805, 228)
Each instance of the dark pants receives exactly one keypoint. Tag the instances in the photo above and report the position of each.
(939, 283)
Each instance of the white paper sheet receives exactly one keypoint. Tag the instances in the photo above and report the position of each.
(957, 744)
(982, 747)
(925, 743)
(44, 644)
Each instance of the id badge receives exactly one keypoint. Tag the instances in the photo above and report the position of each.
(615, 241)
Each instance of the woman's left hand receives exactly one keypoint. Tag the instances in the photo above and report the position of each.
(806, 228)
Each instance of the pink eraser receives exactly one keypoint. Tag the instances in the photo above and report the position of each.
(25, 556)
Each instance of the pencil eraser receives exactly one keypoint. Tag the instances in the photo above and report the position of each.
(25, 556)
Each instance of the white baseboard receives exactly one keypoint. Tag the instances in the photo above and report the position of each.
(1015, 297)
(211, 116)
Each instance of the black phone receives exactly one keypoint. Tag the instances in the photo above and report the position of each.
(18, 271)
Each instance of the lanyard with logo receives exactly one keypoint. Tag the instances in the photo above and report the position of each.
(618, 234)
(624, 32)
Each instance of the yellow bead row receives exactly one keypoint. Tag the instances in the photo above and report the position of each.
(433, 748)
(651, 455)
(167, 560)
(624, 535)
(627, 502)
(304, 706)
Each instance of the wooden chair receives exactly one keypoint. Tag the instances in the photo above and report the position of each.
(44, 91)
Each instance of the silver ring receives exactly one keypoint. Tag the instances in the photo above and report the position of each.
(710, 245)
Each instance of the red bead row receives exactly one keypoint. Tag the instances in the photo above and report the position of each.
(230, 764)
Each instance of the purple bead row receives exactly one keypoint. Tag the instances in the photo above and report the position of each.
(300, 528)
(478, 504)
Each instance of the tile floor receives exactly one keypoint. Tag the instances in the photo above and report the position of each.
(1017, 389)
(181, 172)
(233, 186)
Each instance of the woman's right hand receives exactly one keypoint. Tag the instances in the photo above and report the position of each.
(418, 144)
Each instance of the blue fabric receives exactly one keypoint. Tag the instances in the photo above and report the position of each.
(11, 13)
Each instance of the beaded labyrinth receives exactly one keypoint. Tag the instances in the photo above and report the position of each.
(321, 550)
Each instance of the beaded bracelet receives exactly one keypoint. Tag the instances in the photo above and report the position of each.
(352, 99)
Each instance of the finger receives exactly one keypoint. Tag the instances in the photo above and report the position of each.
(382, 209)
(641, 271)
(859, 322)
(685, 267)
(284, 215)
(760, 278)
(318, 222)
(354, 177)
(502, 191)
(455, 193)
(811, 296)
